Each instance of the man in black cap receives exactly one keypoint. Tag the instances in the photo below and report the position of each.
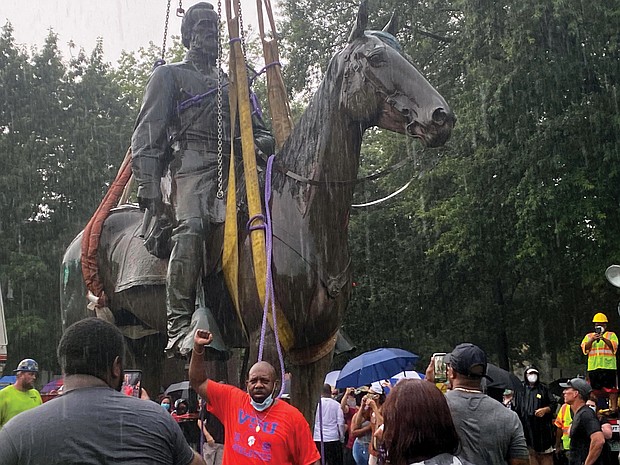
(489, 432)
(184, 126)
(586, 437)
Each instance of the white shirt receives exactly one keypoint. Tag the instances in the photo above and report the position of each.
(333, 421)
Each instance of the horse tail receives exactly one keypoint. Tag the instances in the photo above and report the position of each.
(92, 232)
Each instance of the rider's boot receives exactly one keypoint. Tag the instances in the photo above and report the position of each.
(183, 272)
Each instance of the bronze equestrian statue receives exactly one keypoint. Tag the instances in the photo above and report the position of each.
(369, 83)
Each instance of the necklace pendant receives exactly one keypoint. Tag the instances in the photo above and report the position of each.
(257, 428)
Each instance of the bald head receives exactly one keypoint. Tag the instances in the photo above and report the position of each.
(264, 367)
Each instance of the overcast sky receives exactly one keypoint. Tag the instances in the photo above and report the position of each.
(123, 24)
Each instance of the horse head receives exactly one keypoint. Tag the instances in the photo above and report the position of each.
(381, 87)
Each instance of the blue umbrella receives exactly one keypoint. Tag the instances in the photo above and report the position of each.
(375, 365)
(7, 380)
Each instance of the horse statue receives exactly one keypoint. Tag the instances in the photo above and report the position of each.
(369, 83)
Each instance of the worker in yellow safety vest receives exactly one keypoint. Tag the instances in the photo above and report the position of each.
(563, 421)
(600, 346)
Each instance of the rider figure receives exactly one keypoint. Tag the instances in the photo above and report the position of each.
(168, 114)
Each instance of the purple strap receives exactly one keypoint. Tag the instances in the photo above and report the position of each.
(195, 100)
(251, 227)
(256, 109)
(269, 294)
(321, 429)
(265, 68)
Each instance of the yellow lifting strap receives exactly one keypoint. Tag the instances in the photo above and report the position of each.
(230, 256)
(238, 76)
(280, 110)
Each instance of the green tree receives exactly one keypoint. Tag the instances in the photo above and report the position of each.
(66, 128)
(507, 237)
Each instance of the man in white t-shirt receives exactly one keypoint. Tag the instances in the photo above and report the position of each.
(329, 421)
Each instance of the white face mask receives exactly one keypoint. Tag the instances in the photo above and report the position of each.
(532, 377)
(592, 407)
(265, 404)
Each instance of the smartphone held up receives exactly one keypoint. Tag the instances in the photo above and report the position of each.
(441, 370)
(132, 383)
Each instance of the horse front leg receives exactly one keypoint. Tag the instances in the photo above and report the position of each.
(306, 383)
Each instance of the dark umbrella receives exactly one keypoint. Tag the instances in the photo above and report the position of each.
(183, 390)
(375, 365)
(501, 379)
(555, 388)
(176, 387)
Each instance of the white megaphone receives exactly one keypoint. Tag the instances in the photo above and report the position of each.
(613, 275)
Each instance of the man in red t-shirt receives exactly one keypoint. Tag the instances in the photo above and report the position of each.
(258, 428)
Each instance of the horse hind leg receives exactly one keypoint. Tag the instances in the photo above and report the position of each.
(146, 354)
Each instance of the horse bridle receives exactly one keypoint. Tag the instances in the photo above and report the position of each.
(391, 100)
(371, 177)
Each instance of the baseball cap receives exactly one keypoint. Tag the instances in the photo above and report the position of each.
(579, 384)
(468, 359)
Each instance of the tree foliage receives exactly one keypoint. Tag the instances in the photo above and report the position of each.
(503, 237)
(64, 128)
(505, 241)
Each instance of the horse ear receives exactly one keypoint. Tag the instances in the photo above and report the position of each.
(360, 24)
(392, 25)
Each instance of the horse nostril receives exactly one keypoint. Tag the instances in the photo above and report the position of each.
(440, 116)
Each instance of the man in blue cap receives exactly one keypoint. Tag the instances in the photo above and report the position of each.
(489, 432)
(21, 395)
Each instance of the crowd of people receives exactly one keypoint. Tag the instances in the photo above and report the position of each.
(410, 422)
(416, 423)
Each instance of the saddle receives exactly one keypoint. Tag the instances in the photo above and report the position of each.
(138, 267)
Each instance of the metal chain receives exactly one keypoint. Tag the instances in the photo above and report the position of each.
(220, 190)
(241, 33)
(163, 46)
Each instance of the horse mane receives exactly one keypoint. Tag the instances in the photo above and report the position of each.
(308, 142)
(309, 138)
